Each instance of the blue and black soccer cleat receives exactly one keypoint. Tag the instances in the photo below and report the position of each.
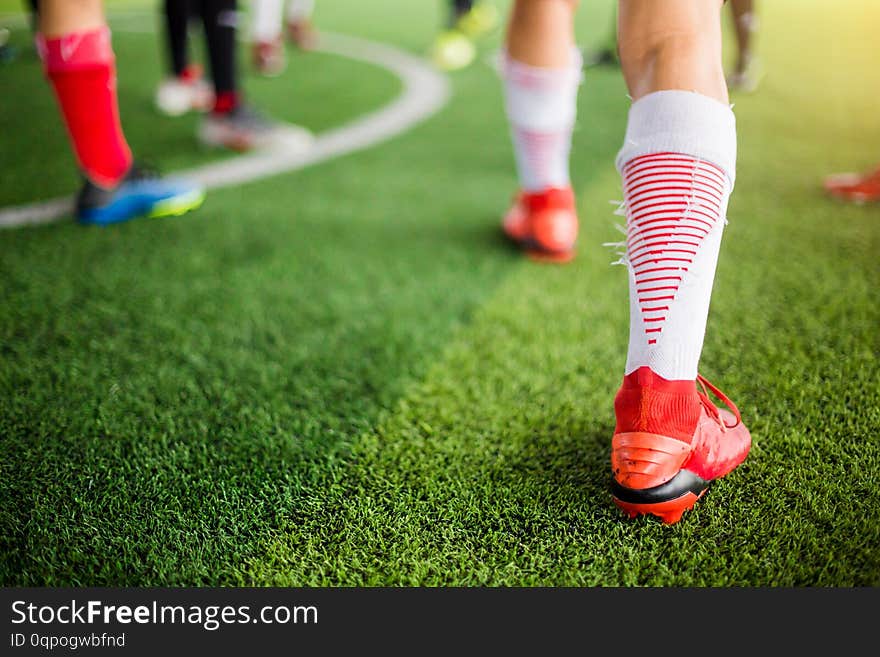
(142, 193)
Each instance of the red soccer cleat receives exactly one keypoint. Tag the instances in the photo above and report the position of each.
(854, 187)
(544, 223)
(671, 443)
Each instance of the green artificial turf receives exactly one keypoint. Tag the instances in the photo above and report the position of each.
(344, 376)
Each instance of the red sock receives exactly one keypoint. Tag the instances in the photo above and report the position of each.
(226, 101)
(82, 69)
(648, 402)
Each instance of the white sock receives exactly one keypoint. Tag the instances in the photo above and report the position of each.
(266, 19)
(678, 166)
(298, 10)
(541, 105)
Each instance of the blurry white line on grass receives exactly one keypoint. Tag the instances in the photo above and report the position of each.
(425, 91)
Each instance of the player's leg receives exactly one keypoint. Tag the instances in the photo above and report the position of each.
(177, 35)
(745, 74)
(678, 165)
(74, 44)
(541, 73)
(183, 89)
(231, 123)
(744, 22)
(300, 27)
(220, 19)
(267, 45)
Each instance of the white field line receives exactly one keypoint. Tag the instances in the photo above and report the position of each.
(425, 91)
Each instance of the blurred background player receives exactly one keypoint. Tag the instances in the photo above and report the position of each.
(541, 72)
(74, 43)
(606, 53)
(677, 165)
(230, 122)
(300, 28)
(746, 74)
(454, 47)
(855, 187)
(268, 17)
(184, 89)
(6, 51)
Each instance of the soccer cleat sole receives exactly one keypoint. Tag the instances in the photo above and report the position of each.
(557, 257)
(855, 198)
(669, 512)
(178, 205)
(174, 206)
(537, 253)
(668, 501)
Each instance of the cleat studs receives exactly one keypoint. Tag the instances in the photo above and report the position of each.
(671, 517)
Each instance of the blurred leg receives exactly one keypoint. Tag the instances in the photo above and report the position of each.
(746, 72)
(183, 89)
(74, 43)
(299, 23)
(32, 7)
(606, 54)
(232, 123)
(744, 24)
(220, 19)
(177, 13)
(541, 32)
(266, 18)
(267, 44)
(542, 73)
(299, 10)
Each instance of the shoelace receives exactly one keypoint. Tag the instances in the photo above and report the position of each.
(711, 409)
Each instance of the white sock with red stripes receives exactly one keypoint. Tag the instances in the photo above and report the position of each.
(678, 166)
(541, 105)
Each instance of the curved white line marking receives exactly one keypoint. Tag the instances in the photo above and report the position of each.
(425, 91)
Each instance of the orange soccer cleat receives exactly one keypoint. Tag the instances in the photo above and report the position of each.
(858, 188)
(545, 224)
(671, 443)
